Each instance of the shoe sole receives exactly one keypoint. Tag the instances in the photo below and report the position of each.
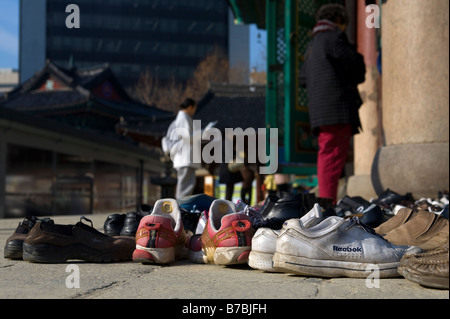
(261, 261)
(157, 255)
(13, 250)
(229, 255)
(162, 255)
(332, 268)
(46, 253)
(424, 280)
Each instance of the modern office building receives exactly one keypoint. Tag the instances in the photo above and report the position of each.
(9, 78)
(167, 37)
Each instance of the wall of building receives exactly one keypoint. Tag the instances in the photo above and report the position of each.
(49, 171)
(8, 80)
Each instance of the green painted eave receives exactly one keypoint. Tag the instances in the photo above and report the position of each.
(249, 12)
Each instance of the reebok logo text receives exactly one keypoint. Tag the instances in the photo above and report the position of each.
(348, 249)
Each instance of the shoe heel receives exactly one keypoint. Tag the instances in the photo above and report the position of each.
(261, 261)
(13, 250)
(154, 255)
(231, 255)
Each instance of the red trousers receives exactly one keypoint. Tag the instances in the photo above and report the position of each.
(334, 144)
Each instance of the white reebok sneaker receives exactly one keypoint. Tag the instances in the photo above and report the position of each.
(263, 248)
(335, 247)
(264, 242)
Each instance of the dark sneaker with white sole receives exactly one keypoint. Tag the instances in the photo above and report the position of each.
(52, 243)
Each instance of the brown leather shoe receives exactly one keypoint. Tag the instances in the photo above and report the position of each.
(429, 269)
(14, 243)
(438, 240)
(418, 230)
(402, 216)
(51, 243)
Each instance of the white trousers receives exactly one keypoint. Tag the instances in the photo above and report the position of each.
(186, 181)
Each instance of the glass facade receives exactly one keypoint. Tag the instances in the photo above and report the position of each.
(42, 183)
(167, 37)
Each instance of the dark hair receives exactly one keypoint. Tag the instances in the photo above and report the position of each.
(334, 12)
(188, 102)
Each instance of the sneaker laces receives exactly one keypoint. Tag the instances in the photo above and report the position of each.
(253, 214)
(355, 221)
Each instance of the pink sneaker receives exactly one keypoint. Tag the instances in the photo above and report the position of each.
(160, 237)
(226, 239)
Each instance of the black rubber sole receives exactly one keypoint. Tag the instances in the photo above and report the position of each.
(47, 253)
(13, 249)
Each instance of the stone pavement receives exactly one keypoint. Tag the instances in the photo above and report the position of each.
(181, 280)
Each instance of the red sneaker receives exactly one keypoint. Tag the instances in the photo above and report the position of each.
(160, 237)
(226, 239)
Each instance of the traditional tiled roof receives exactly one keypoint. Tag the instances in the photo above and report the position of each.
(230, 105)
(92, 97)
(233, 106)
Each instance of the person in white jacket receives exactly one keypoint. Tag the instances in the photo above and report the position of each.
(181, 155)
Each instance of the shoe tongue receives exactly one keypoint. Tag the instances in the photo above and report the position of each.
(167, 208)
(26, 225)
(220, 209)
(312, 217)
(323, 227)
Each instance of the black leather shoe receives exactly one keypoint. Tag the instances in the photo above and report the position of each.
(389, 198)
(131, 223)
(373, 216)
(325, 202)
(287, 207)
(351, 205)
(113, 224)
(269, 202)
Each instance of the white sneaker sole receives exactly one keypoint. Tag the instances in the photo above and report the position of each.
(261, 261)
(230, 255)
(333, 268)
(165, 255)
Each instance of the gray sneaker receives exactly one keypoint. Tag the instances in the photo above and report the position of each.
(335, 247)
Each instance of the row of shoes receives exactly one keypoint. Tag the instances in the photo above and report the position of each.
(413, 244)
(315, 244)
(378, 210)
(44, 241)
(293, 234)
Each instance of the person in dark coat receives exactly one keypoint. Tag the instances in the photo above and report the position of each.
(331, 72)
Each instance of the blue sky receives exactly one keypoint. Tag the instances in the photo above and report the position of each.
(9, 38)
(9, 34)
